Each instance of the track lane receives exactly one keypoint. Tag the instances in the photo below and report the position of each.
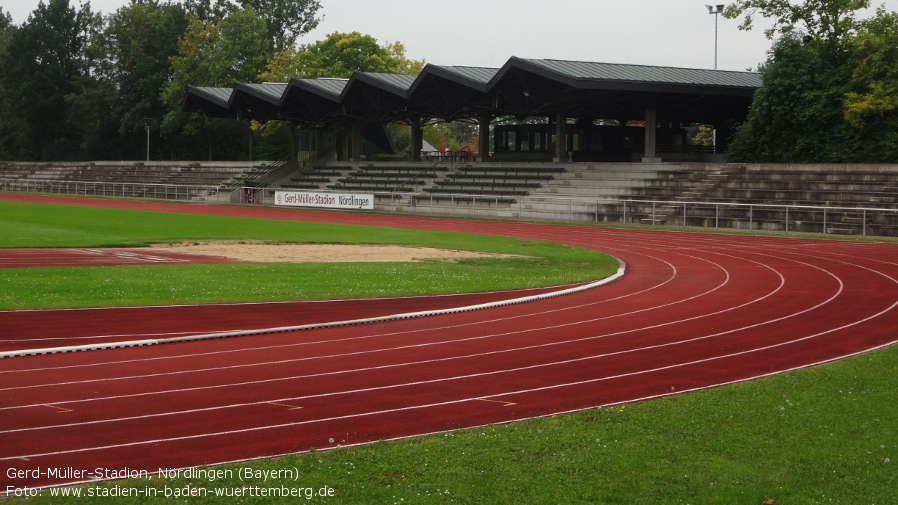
(720, 310)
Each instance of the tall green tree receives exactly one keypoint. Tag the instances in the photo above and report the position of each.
(6, 27)
(830, 22)
(138, 43)
(285, 20)
(871, 104)
(340, 55)
(219, 54)
(43, 61)
(6, 31)
(796, 115)
(829, 85)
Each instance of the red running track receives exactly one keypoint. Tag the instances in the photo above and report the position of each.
(693, 311)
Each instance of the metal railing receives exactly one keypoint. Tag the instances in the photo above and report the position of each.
(180, 192)
(825, 219)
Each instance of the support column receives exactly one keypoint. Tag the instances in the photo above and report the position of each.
(560, 138)
(417, 139)
(355, 143)
(483, 138)
(651, 136)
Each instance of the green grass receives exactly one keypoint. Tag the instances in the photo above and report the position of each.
(816, 436)
(33, 225)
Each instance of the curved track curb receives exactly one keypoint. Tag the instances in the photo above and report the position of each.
(622, 267)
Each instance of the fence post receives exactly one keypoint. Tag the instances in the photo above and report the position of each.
(625, 212)
(864, 218)
(824, 220)
(751, 218)
(684, 214)
(716, 216)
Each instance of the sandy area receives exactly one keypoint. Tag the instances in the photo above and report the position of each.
(264, 252)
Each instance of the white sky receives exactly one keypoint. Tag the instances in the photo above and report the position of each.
(678, 33)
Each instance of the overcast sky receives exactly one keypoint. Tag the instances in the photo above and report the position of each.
(485, 33)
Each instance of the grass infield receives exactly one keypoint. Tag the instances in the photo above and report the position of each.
(35, 225)
(815, 436)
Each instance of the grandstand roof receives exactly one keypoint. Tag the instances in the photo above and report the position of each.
(521, 87)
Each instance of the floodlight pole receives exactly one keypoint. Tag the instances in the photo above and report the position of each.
(147, 122)
(715, 10)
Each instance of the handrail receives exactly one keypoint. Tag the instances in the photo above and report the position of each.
(769, 205)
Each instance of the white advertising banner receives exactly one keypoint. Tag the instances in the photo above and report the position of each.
(324, 200)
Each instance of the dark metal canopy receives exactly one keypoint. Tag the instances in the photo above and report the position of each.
(522, 88)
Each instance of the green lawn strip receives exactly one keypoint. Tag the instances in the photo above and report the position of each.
(37, 225)
(49, 288)
(820, 435)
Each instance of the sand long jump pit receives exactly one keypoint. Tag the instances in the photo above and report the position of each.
(267, 252)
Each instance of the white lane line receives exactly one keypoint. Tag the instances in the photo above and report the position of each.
(362, 337)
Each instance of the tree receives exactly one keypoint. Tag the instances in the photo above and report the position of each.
(6, 32)
(340, 55)
(871, 104)
(138, 43)
(829, 85)
(42, 62)
(796, 115)
(285, 20)
(827, 21)
(214, 54)
(5, 26)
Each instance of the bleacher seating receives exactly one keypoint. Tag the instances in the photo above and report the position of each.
(505, 181)
(128, 179)
(387, 178)
(759, 188)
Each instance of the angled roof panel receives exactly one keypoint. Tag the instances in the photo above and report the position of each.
(476, 78)
(644, 73)
(449, 93)
(269, 92)
(260, 102)
(323, 87)
(595, 75)
(213, 102)
(218, 96)
(396, 84)
(312, 100)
